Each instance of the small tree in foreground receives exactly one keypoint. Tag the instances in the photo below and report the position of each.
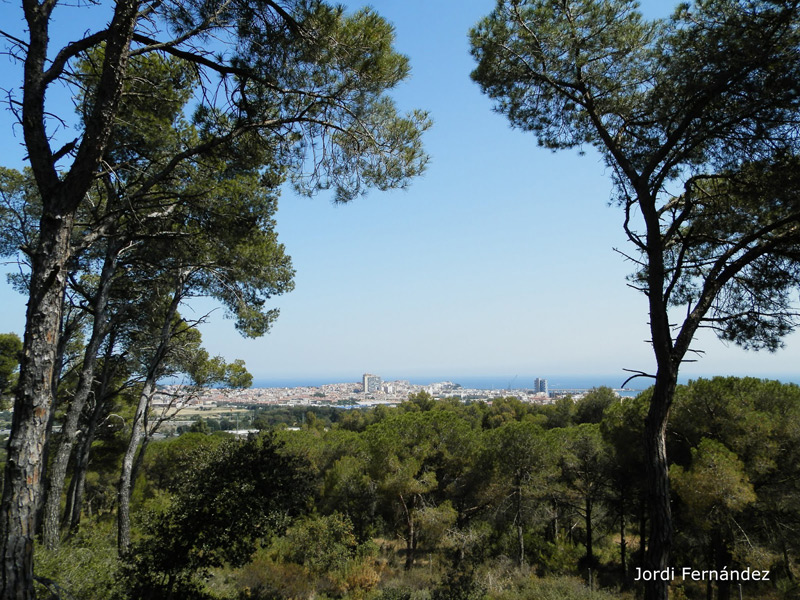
(228, 500)
(697, 116)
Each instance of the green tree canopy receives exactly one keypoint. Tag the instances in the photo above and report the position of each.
(592, 407)
(715, 486)
(524, 464)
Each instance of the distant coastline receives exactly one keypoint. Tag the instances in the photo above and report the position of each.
(471, 382)
(498, 382)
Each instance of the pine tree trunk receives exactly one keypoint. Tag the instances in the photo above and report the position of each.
(84, 452)
(668, 357)
(642, 528)
(78, 485)
(555, 523)
(146, 437)
(520, 527)
(73, 485)
(32, 408)
(138, 429)
(69, 431)
(659, 541)
(125, 480)
(589, 533)
(623, 543)
(66, 331)
(722, 560)
(411, 545)
(79, 475)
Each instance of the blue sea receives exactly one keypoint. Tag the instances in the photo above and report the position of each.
(498, 382)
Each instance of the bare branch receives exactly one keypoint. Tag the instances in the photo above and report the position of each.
(637, 373)
(69, 51)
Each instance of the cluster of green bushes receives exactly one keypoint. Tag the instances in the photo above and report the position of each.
(264, 418)
(443, 499)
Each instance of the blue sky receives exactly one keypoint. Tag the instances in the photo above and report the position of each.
(498, 261)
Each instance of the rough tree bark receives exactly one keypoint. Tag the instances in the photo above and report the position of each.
(51, 525)
(659, 540)
(126, 476)
(32, 409)
(78, 491)
(138, 431)
(78, 483)
(589, 532)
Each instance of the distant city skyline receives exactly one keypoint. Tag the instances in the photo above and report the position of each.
(499, 261)
(497, 382)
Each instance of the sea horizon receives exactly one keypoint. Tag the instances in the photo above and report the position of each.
(497, 382)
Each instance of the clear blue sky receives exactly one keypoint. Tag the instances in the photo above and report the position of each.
(498, 261)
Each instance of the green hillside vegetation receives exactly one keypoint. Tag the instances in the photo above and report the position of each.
(439, 499)
(264, 417)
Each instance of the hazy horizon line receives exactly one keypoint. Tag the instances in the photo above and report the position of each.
(555, 381)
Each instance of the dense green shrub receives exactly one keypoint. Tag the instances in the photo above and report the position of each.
(552, 588)
(459, 585)
(317, 554)
(225, 503)
(85, 567)
(398, 593)
(320, 543)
